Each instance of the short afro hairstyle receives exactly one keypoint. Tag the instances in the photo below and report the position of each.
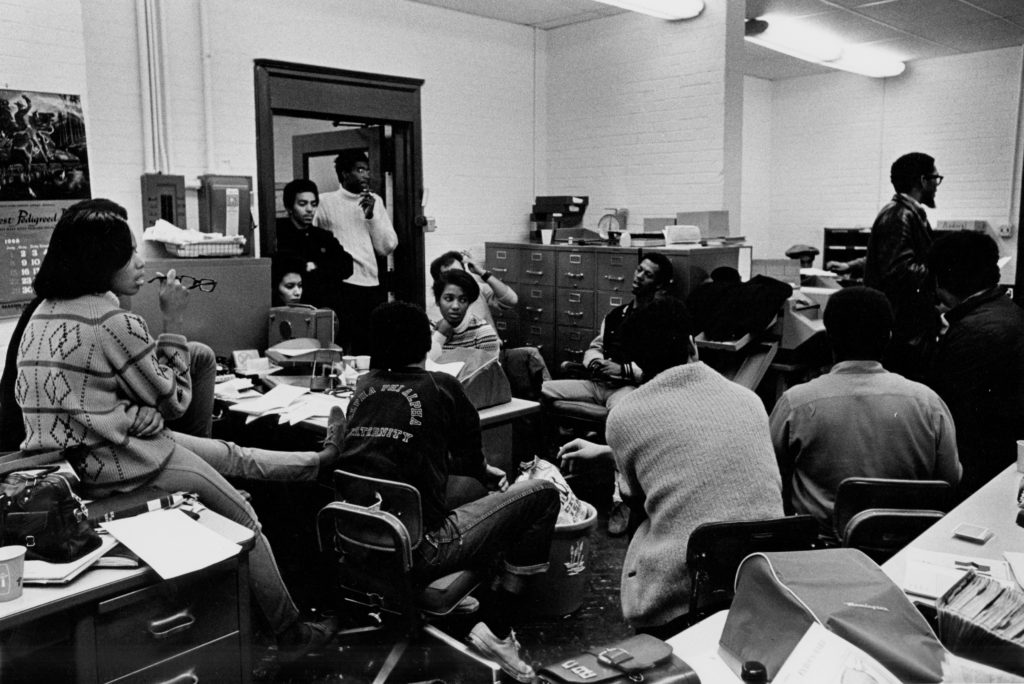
(347, 160)
(663, 278)
(965, 262)
(296, 188)
(858, 321)
(446, 259)
(459, 278)
(399, 335)
(906, 170)
(657, 337)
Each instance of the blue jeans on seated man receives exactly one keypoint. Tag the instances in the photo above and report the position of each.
(518, 522)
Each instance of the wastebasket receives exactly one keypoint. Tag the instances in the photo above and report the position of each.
(560, 590)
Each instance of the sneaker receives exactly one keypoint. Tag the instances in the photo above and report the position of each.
(336, 424)
(618, 519)
(467, 606)
(305, 639)
(505, 652)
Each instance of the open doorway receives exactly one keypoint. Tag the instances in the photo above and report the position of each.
(306, 115)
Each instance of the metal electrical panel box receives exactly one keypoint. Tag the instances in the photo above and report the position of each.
(163, 197)
(225, 206)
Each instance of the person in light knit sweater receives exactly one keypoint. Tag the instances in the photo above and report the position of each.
(690, 447)
(89, 374)
(454, 292)
(360, 222)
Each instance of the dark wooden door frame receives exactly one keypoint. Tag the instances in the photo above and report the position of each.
(303, 90)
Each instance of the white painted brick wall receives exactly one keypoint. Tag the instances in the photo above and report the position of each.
(834, 137)
(42, 49)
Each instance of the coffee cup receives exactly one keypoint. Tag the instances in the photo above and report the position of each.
(363, 362)
(547, 235)
(350, 361)
(12, 571)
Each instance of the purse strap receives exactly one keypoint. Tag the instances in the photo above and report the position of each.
(17, 460)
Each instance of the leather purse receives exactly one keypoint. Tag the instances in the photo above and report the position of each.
(640, 658)
(40, 511)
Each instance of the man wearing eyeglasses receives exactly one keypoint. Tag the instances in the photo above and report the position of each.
(896, 263)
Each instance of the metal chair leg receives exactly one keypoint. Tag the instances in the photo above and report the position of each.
(391, 661)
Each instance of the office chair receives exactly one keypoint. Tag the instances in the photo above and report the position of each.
(856, 494)
(372, 529)
(881, 532)
(715, 550)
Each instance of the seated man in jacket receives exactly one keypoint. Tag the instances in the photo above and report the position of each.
(978, 368)
(416, 426)
(859, 420)
(693, 448)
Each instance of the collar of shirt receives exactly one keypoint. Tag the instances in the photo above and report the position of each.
(858, 366)
(913, 202)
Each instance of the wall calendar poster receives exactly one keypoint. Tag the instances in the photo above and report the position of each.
(44, 168)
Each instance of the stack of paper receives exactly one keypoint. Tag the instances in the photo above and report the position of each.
(930, 574)
(982, 619)
(274, 401)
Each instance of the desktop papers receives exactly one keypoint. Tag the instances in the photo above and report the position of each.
(294, 404)
(932, 573)
(821, 657)
(42, 572)
(453, 369)
(170, 542)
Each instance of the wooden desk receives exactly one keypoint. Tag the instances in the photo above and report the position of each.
(993, 506)
(128, 625)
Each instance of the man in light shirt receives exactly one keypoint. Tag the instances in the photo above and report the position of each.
(358, 219)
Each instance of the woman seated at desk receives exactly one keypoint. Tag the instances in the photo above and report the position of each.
(286, 276)
(454, 291)
(89, 374)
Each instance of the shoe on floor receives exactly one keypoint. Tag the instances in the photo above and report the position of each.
(467, 606)
(505, 652)
(618, 519)
(306, 638)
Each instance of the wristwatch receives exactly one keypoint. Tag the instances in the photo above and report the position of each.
(485, 276)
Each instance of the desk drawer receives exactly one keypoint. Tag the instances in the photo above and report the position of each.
(219, 661)
(615, 271)
(165, 620)
(536, 267)
(575, 308)
(576, 270)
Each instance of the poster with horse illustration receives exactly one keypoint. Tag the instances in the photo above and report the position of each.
(44, 168)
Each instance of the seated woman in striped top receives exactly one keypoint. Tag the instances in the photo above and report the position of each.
(454, 291)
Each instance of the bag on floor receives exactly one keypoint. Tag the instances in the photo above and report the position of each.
(572, 509)
(640, 658)
(40, 511)
(780, 594)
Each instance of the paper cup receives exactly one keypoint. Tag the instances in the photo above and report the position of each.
(350, 361)
(363, 363)
(12, 571)
(1020, 455)
(546, 235)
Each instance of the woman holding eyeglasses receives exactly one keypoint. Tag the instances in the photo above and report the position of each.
(89, 374)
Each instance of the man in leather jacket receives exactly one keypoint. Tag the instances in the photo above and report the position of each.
(896, 262)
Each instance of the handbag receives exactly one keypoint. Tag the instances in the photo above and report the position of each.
(40, 511)
(640, 658)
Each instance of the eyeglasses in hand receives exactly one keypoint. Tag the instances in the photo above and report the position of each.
(190, 283)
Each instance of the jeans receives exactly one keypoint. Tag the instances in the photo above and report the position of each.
(518, 522)
(198, 418)
(199, 465)
(585, 390)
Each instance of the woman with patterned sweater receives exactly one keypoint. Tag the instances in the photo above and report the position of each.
(89, 374)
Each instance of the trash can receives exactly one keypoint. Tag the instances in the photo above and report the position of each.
(560, 590)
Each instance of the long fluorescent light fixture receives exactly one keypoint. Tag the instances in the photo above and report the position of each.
(799, 40)
(662, 9)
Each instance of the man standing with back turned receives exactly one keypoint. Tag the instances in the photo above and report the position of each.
(358, 218)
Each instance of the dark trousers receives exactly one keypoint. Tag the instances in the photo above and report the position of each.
(354, 305)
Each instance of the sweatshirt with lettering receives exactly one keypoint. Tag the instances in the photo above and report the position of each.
(413, 426)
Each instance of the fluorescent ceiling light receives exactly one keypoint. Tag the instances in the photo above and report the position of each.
(804, 41)
(662, 9)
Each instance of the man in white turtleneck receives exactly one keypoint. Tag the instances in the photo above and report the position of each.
(358, 219)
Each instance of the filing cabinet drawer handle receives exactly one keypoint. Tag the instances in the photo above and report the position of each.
(575, 275)
(534, 309)
(169, 626)
(615, 279)
(189, 677)
(574, 314)
(534, 273)
(499, 270)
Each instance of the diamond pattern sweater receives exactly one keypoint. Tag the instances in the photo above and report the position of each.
(84, 365)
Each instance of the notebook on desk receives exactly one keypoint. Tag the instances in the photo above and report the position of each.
(42, 572)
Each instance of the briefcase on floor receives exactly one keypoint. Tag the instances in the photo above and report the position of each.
(301, 320)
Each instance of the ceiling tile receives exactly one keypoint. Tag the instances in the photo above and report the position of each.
(1000, 8)
(793, 8)
(985, 35)
(922, 16)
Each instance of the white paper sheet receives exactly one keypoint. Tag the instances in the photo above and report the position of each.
(453, 369)
(170, 542)
(821, 657)
(1016, 561)
(312, 406)
(274, 400)
(996, 569)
